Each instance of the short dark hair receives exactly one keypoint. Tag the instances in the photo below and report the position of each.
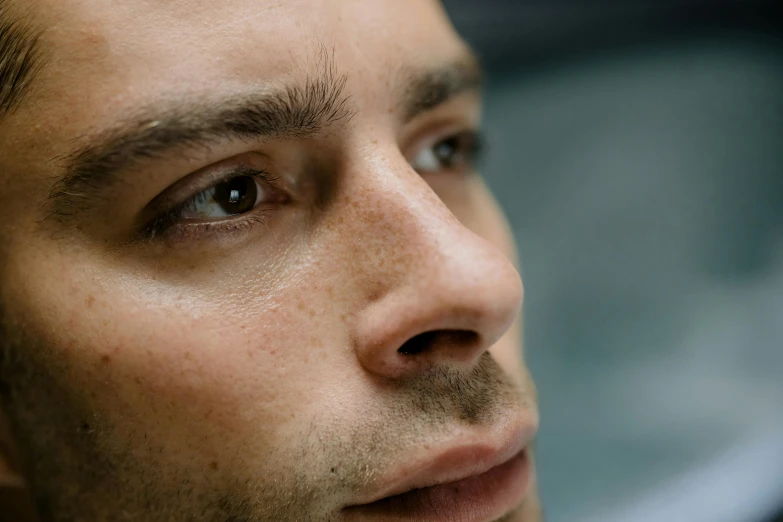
(20, 58)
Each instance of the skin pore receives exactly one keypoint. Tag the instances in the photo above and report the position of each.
(247, 265)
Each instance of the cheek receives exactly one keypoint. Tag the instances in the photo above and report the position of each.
(188, 381)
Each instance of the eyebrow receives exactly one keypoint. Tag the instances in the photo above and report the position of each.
(21, 58)
(295, 111)
(428, 88)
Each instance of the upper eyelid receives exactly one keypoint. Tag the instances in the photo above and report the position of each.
(429, 139)
(151, 225)
(448, 125)
(183, 189)
(439, 123)
(216, 174)
(174, 198)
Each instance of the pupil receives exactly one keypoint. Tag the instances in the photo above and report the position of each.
(237, 195)
(446, 151)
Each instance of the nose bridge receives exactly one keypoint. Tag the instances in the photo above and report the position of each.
(401, 227)
(428, 281)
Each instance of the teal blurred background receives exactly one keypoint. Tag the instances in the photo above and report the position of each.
(637, 149)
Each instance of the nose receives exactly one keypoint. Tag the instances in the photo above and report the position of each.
(438, 294)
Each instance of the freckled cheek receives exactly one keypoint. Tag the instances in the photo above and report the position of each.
(173, 372)
(200, 380)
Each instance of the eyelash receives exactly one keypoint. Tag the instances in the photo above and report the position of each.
(469, 144)
(171, 218)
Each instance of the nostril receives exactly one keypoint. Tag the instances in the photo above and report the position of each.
(418, 343)
(427, 341)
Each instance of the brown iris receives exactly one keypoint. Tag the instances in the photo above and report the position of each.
(237, 195)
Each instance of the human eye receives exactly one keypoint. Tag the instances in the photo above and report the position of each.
(239, 198)
(456, 152)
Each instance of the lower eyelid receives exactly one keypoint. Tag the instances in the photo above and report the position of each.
(225, 228)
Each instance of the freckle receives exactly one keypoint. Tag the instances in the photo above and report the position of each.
(90, 301)
(213, 465)
(105, 359)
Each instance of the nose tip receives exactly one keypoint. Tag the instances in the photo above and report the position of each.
(450, 322)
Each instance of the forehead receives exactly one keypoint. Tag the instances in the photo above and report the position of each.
(105, 53)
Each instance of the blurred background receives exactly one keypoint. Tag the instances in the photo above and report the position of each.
(637, 148)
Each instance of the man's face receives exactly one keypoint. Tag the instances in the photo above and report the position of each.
(249, 272)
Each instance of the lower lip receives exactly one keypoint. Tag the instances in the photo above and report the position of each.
(480, 498)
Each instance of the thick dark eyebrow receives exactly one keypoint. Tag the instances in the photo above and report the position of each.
(295, 111)
(21, 58)
(425, 89)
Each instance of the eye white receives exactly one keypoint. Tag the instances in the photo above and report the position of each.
(426, 160)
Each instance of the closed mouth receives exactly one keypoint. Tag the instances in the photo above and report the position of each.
(478, 476)
(481, 497)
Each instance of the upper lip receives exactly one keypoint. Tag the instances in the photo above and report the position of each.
(470, 454)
